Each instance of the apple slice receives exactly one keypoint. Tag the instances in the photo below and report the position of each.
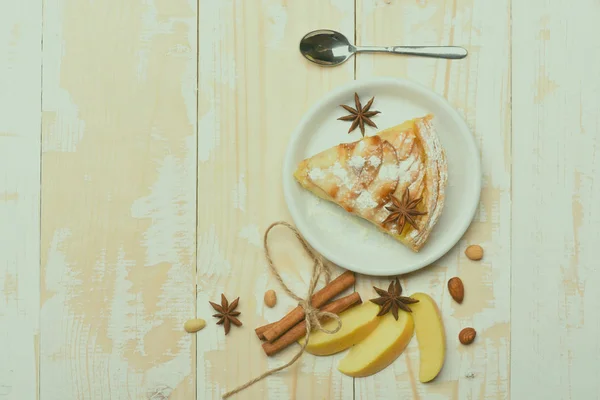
(430, 336)
(357, 323)
(380, 348)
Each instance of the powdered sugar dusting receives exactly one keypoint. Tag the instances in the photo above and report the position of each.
(434, 150)
(389, 172)
(365, 201)
(409, 168)
(341, 174)
(316, 174)
(358, 162)
(436, 163)
(407, 163)
(374, 161)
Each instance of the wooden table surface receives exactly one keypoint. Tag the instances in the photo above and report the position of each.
(141, 145)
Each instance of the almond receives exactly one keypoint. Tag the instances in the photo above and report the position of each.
(474, 252)
(456, 289)
(270, 298)
(467, 335)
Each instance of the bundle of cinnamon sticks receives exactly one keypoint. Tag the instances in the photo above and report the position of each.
(279, 335)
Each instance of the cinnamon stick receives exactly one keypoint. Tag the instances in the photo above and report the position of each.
(335, 287)
(299, 330)
(260, 331)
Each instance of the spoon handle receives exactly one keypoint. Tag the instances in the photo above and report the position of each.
(450, 52)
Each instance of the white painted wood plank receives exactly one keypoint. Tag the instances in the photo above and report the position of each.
(254, 87)
(118, 199)
(479, 87)
(556, 208)
(20, 118)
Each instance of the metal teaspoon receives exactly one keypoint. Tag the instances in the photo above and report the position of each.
(330, 48)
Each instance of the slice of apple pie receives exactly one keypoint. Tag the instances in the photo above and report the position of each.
(395, 179)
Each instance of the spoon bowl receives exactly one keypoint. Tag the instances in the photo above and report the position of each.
(330, 48)
(326, 47)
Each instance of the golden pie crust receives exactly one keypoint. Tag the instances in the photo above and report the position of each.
(360, 177)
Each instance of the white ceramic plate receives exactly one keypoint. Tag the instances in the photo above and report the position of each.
(350, 241)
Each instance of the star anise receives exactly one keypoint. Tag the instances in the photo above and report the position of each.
(403, 211)
(359, 116)
(226, 313)
(392, 299)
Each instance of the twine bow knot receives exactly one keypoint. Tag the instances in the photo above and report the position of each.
(312, 315)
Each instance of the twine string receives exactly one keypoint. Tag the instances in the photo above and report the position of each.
(312, 315)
